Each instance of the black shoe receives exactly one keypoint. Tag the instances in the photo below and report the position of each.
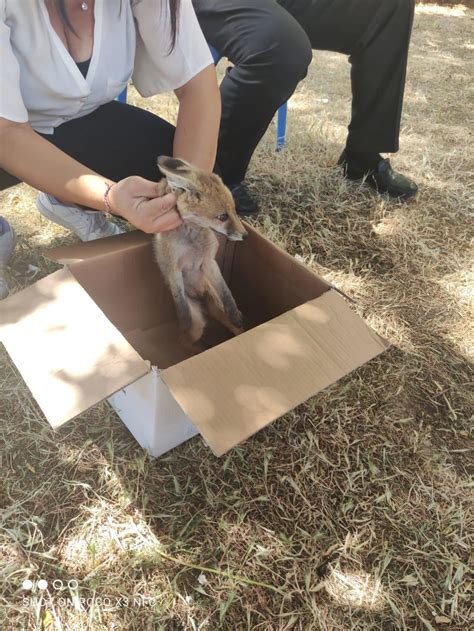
(382, 178)
(244, 203)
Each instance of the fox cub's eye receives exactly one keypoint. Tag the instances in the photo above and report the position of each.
(222, 217)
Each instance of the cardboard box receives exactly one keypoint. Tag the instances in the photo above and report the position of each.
(104, 327)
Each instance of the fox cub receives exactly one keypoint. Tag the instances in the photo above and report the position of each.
(186, 255)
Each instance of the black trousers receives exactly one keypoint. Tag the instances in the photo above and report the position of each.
(117, 140)
(271, 41)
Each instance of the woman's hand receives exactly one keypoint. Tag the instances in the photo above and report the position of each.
(136, 200)
(39, 163)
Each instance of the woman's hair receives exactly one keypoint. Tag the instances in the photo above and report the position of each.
(173, 7)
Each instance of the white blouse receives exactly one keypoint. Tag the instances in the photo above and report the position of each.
(41, 84)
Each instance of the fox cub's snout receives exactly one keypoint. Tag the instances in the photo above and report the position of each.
(203, 198)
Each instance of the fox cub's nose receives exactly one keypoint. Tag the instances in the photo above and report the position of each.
(237, 235)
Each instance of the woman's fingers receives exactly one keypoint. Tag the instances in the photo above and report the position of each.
(134, 198)
(160, 212)
(168, 221)
(160, 205)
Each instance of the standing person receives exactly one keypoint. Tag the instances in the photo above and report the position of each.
(270, 43)
(63, 64)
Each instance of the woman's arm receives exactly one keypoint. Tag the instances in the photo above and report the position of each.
(39, 163)
(199, 115)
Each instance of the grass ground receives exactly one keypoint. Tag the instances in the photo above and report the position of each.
(352, 512)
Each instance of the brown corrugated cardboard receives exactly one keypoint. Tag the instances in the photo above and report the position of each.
(69, 354)
(234, 389)
(77, 252)
(93, 328)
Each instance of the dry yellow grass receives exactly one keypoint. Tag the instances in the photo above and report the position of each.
(354, 511)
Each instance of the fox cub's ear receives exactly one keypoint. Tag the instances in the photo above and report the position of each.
(179, 173)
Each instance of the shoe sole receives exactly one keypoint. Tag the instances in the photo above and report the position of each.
(351, 174)
(365, 181)
(404, 197)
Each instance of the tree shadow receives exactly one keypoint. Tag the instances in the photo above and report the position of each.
(370, 473)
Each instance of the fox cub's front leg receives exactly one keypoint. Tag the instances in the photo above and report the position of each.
(220, 301)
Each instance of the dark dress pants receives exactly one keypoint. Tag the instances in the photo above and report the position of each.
(270, 43)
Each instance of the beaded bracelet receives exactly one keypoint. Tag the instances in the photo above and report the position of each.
(108, 207)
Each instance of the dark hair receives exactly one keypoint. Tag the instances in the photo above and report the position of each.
(173, 7)
(61, 7)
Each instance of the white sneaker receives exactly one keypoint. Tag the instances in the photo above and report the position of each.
(87, 224)
(7, 245)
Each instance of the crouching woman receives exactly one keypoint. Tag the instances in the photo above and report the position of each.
(64, 62)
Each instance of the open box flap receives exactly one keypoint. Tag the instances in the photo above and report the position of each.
(233, 390)
(69, 354)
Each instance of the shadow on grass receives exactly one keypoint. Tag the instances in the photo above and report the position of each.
(368, 478)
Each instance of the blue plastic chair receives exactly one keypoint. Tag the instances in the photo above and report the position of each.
(122, 97)
(281, 113)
